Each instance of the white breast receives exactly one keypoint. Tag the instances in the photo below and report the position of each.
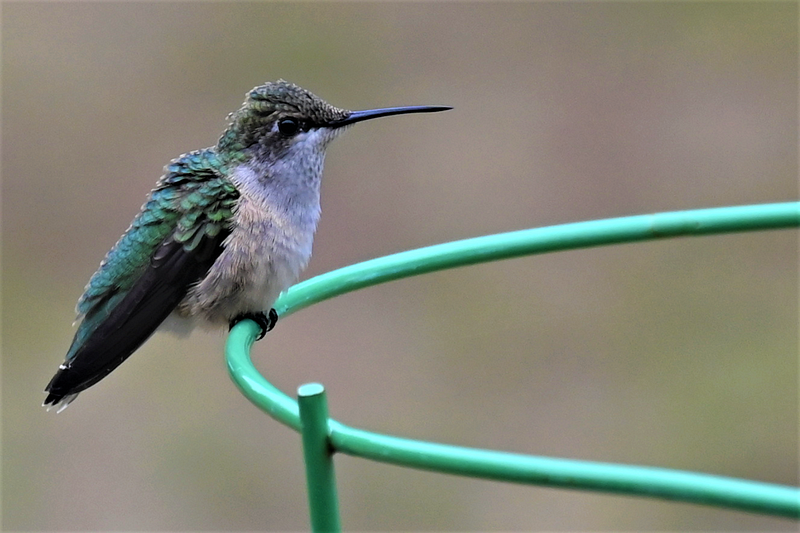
(267, 250)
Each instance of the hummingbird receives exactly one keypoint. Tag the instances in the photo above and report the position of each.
(225, 230)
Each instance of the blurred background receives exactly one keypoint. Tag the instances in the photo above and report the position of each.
(679, 353)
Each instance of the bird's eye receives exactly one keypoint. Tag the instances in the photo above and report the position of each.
(288, 126)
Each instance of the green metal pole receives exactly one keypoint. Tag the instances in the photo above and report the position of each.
(571, 236)
(746, 495)
(320, 477)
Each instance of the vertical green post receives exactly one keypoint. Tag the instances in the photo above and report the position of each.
(320, 478)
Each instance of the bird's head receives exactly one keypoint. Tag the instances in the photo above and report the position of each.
(280, 119)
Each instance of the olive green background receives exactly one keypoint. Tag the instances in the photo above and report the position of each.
(680, 353)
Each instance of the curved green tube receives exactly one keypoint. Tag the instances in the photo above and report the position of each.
(661, 483)
(537, 241)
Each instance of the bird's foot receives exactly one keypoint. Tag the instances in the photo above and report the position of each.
(266, 321)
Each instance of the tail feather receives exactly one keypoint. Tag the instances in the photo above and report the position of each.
(59, 401)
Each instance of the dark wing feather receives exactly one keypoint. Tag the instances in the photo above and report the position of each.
(147, 304)
(171, 245)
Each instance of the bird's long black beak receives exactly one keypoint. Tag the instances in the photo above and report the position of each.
(358, 116)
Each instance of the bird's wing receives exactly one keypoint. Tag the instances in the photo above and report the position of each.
(170, 245)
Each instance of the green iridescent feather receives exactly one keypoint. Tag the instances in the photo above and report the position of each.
(191, 201)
